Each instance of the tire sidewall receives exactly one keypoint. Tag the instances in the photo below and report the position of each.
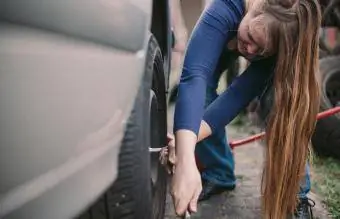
(326, 138)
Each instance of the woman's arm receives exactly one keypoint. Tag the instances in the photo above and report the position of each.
(217, 24)
(186, 181)
(229, 104)
(243, 90)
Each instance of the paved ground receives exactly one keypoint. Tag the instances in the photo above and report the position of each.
(244, 201)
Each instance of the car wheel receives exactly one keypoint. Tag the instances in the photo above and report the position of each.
(139, 191)
(326, 139)
(158, 130)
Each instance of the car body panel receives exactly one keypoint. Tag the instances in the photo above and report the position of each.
(115, 23)
(65, 97)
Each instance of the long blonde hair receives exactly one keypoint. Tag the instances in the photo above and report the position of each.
(293, 28)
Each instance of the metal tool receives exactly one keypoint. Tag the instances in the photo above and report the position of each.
(187, 215)
(155, 150)
(258, 136)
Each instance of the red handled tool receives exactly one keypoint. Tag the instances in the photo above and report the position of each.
(255, 137)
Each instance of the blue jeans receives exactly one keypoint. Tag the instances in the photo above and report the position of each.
(215, 155)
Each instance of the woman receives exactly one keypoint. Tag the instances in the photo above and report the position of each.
(280, 38)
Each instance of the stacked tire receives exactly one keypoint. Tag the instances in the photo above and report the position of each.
(326, 139)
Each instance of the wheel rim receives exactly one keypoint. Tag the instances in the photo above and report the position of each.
(158, 174)
(332, 88)
(154, 139)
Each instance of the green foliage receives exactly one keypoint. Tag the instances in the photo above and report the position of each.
(327, 183)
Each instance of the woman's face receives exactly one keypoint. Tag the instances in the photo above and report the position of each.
(252, 40)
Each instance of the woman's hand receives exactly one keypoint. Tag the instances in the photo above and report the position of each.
(186, 187)
(186, 184)
(168, 155)
(171, 149)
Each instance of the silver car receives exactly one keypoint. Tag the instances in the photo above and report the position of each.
(82, 99)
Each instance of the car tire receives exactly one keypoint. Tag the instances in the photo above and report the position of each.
(326, 138)
(134, 195)
(336, 51)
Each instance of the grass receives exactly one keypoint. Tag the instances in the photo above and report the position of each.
(239, 120)
(326, 182)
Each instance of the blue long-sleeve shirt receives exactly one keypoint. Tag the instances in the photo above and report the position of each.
(217, 25)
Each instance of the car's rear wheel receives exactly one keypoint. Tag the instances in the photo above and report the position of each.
(326, 139)
(140, 189)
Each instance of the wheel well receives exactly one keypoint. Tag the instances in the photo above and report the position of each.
(160, 28)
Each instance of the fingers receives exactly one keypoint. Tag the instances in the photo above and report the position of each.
(180, 200)
(170, 137)
(194, 200)
(166, 161)
(163, 155)
(171, 154)
(181, 206)
(172, 150)
(170, 168)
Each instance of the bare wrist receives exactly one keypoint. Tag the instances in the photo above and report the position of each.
(185, 145)
(186, 160)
